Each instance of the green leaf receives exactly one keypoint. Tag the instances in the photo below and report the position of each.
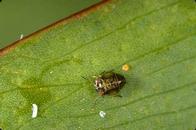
(156, 38)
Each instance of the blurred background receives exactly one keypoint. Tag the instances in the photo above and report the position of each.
(19, 17)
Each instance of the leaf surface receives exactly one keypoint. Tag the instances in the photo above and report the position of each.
(156, 38)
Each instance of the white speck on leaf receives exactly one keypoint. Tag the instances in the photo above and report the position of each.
(21, 36)
(102, 114)
(34, 110)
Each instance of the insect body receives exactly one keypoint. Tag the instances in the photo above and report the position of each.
(109, 81)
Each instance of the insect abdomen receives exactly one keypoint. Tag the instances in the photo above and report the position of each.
(113, 82)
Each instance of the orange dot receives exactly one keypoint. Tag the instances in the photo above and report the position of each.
(125, 67)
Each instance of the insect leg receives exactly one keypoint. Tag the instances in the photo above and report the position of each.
(110, 71)
(87, 79)
(96, 99)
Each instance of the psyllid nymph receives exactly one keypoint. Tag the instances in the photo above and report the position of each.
(107, 82)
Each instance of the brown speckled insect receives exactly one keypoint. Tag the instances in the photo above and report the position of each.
(107, 82)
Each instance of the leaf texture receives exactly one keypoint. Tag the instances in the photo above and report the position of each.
(156, 38)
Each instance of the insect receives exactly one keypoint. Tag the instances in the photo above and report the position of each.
(108, 82)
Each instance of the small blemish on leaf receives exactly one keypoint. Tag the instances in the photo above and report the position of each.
(21, 36)
(125, 67)
(102, 114)
(77, 60)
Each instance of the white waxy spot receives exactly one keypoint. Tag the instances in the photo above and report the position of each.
(51, 72)
(102, 114)
(21, 36)
(34, 110)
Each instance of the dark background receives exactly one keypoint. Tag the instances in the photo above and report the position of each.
(26, 16)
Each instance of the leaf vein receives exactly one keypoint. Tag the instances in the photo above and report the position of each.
(157, 49)
(169, 65)
(117, 29)
(151, 116)
(142, 98)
